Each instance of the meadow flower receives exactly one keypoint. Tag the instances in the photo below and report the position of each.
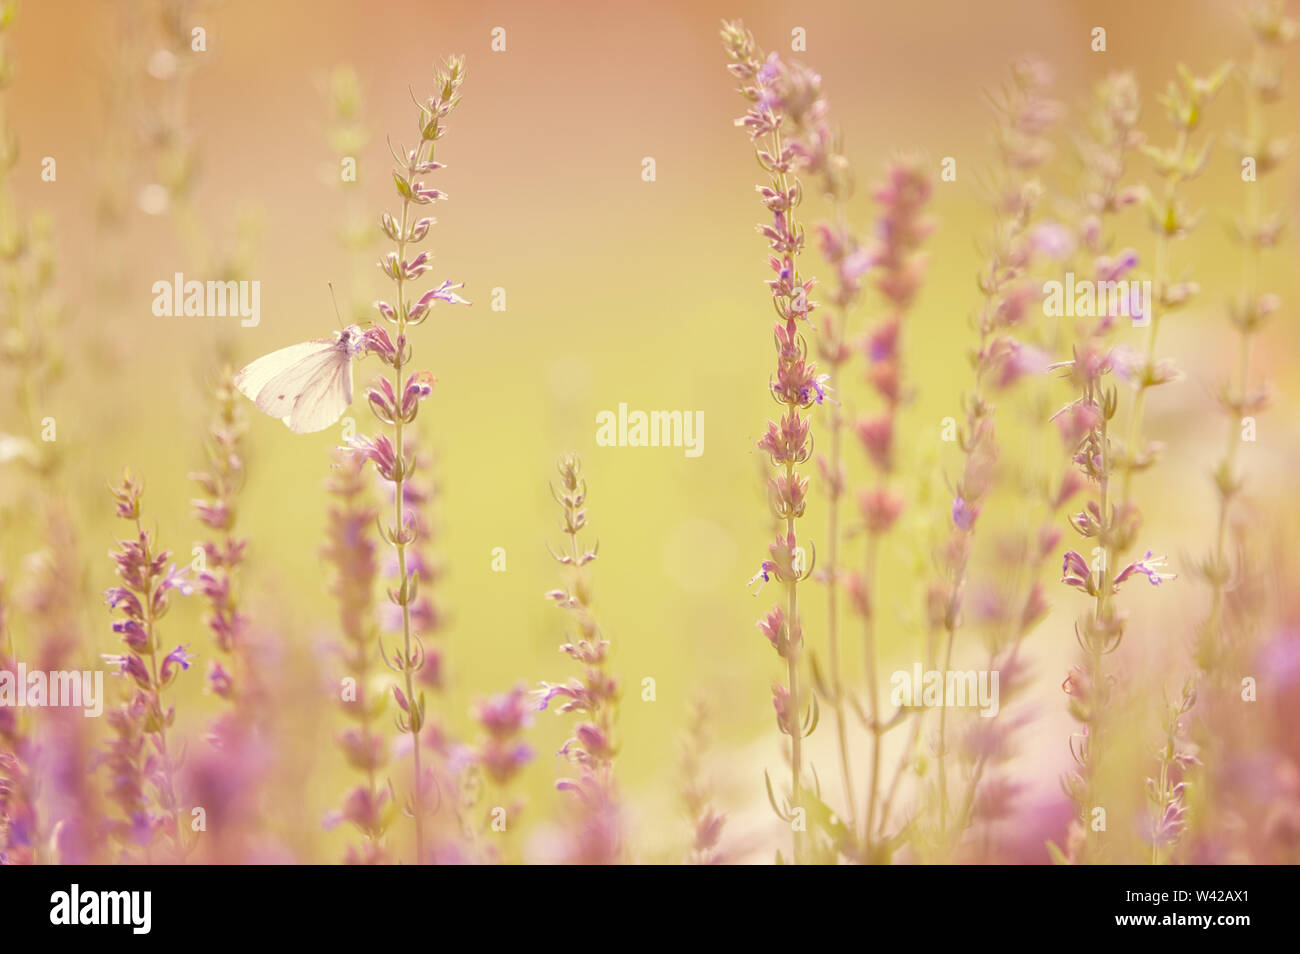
(773, 626)
(1256, 233)
(785, 719)
(696, 794)
(1167, 793)
(784, 101)
(349, 549)
(224, 554)
(125, 762)
(596, 835)
(1053, 240)
(941, 538)
(418, 491)
(173, 663)
(393, 459)
(379, 451)
(1025, 116)
(877, 436)
(787, 442)
(505, 714)
(503, 753)
(143, 598)
(1076, 572)
(1113, 519)
(963, 515)
(1149, 567)
(764, 576)
(19, 823)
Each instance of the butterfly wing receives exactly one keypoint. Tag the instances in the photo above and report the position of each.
(253, 379)
(324, 398)
(308, 385)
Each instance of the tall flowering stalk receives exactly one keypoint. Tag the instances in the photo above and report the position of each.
(594, 696)
(1099, 631)
(1226, 640)
(419, 492)
(228, 774)
(1167, 793)
(901, 229)
(796, 386)
(396, 403)
(1185, 102)
(51, 599)
(1026, 117)
(502, 754)
(142, 599)
(18, 819)
(223, 552)
(817, 148)
(350, 551)
(126, 759)
(1256, 233)
(697, 795)
(503, 718)
(1113, 136)
(1113, 519)
(59, 747)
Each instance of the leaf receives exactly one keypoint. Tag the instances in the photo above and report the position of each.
(823, 817)
(771, 798)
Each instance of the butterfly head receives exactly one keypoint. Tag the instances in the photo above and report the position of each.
(352, 340)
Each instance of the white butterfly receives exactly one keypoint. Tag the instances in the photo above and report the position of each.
(308, 385)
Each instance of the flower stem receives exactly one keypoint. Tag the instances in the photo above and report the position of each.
(400, 537)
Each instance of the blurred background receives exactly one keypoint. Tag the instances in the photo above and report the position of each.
(616, 290)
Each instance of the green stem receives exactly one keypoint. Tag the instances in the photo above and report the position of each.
(832, 590)
(873, 689)
(408, 667)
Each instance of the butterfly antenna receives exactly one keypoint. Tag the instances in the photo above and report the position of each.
(338, 316)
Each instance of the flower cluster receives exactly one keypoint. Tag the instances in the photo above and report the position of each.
(896, 254)
(1185, 103)
(397, 402)
(1256, 232)
(1113, 520)
(418, 491)
(18, 821)
(1167, 795)
(142, 599)
(777, 95)
(222, 555)
(49, 595)
(503, 718)
(594, 696)
(1026, 117)
(697, 797)
(350, 551)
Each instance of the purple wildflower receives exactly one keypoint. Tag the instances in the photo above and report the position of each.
(1149, 567)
